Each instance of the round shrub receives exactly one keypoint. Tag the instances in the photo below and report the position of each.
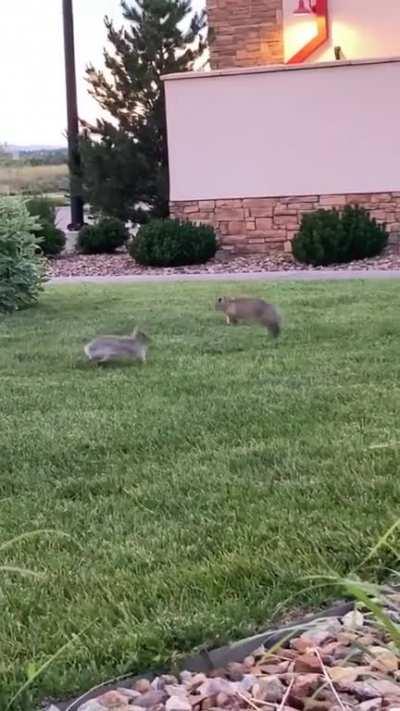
(171, 243)
(320, 238)
(329, 237)
(364, 236)
(104, 237)
(22, 269)
(52, 240)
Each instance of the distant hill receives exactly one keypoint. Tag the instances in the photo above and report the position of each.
(32, 148)
(34, 154)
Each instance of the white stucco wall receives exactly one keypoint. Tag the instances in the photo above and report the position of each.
(309, 130)
(363, 28)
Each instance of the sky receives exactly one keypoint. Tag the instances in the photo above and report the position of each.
(32, 80)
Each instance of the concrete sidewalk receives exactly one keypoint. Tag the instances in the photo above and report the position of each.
(312, 275)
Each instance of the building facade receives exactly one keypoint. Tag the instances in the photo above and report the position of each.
(299, 111)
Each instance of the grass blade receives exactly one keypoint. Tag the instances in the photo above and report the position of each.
(45, 666)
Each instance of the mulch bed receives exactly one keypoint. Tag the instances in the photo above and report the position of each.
(337, 664)
(121, 264)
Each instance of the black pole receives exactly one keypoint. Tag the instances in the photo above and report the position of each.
(74, 159)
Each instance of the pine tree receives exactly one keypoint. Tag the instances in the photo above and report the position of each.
(126, 158)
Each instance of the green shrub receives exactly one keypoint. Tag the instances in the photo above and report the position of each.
(21, 265)
(365, 237)
(329, 237)
(104, 237)
(171, 243)
(52, 240)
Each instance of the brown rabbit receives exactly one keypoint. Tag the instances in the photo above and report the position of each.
(106, 348)
(245, 309)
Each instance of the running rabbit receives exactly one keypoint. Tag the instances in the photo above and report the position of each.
(107, 348)
(244, 309)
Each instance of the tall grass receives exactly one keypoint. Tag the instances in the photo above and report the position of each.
(381, 600)
(29, 179)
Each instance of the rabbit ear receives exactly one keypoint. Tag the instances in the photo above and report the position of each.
(134, 332)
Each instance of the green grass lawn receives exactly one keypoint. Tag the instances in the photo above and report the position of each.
(198, 489)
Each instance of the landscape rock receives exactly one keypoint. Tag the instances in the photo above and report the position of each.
(113, 699)
(280, 668)
(130, 693)
(307, 663)
(385, 687)
(249, 662)
(259, 652)
(186, 677)
(196, 680)
(318, 637)
(151, 698)
(142, 685)
(317, 705)
(382, 659)
(301, 645)
(92, 705)
(213, 687)
(353, 620)
(268, 689)
(371, 688)
(176, 690)
(346, 675)
(209, 703)
(223, 700)
(371, 705)
(305, 685)
(178, 703)
(246, 683)
(236, 671)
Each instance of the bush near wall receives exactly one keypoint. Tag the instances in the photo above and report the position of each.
(332, 237)
(104, 237)
(171, 243)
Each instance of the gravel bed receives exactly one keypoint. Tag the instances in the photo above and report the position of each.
(121, 264)
(336, 664)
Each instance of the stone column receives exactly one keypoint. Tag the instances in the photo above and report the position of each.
(245, 33)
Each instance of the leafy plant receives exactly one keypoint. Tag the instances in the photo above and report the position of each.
(22, 269)
(167, 243)
(382, 600)
(328, 237)
(104, 237)
(52, 240)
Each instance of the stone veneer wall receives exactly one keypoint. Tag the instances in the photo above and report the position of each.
(245, 33)
(263, 225)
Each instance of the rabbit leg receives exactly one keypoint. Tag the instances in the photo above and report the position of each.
(100, 360)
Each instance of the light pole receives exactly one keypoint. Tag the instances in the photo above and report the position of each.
(74, 159)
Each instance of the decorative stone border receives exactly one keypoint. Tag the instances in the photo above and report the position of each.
(207, 660)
